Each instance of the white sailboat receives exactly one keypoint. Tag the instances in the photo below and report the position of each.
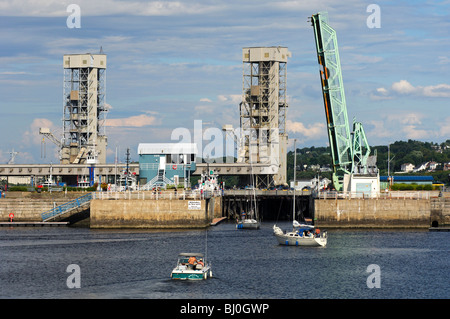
(251, 220)
(248, 223)
(301, 234)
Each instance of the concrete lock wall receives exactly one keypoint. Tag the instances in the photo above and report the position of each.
(372, 213)
(28, 207)
(129, 213)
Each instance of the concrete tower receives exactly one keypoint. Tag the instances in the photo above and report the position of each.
(263, 111)
(84, 137)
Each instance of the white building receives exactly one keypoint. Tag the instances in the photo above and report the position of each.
(407, 167)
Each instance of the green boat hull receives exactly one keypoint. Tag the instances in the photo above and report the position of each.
(191, 275)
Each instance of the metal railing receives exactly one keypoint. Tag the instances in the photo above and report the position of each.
(157, 195)
(157, 181)
(385, 195)
(64, 208)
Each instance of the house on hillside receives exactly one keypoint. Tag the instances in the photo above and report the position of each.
(432, 166)
(422, 167)
(407, 167)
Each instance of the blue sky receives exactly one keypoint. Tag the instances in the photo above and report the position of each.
(173, 62)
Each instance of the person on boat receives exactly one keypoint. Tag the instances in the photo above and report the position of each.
(200, 264)
(317, 232)
(192, 261)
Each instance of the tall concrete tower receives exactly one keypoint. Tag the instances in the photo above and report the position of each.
(263, 111)
(84, 137)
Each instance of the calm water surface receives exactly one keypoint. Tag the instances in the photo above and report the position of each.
(246, 264)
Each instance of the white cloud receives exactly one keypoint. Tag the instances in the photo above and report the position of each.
(205, 100)
(132, 121)
(365, 59)
(403, 87)
(411, 119)
(312, 131)
(444, 130)
(234, 98)
(55, 8)
(412, 132)
(402, 126)
(207, 108)
(443, 60)
(380, 94)
(32, 136)
(440, 90)
(379, 129)
(382, 91)
(33, 141)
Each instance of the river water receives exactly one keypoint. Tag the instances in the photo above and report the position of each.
(247, 264)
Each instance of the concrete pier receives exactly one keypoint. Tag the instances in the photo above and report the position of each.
(162, 213)
(127, 211)
(383, 212)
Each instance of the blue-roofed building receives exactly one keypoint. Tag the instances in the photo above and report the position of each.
(419, 180)
(162, 164)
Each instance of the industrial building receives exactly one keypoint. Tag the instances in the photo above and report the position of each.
(161, 164)
(83, 139)
(84, 108)
(262, 111)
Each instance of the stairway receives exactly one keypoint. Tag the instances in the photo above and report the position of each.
(65, 210)
(159, 180)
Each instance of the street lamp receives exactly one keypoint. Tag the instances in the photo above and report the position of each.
(389, 162)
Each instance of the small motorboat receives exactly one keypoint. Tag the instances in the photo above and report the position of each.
(191, 266)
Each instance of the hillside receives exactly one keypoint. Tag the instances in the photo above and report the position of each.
(401, 152)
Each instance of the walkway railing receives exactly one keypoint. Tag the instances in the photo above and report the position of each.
(156, 195)
(385, 195)
(65, 208)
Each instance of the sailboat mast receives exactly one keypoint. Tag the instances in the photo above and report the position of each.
(295, 170)
(253, 184)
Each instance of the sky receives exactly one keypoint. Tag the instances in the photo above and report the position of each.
(171, 63)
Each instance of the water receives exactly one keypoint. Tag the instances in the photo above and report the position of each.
(247, 264)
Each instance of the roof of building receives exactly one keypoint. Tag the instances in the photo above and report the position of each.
(408, 178)
(167, 148)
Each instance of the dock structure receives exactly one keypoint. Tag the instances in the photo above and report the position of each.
(439, 229)
(69, 173)
(216, 221)
(271, 204)
(33, 224)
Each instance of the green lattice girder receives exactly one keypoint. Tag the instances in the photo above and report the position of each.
(334, 98)
(361, 149)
